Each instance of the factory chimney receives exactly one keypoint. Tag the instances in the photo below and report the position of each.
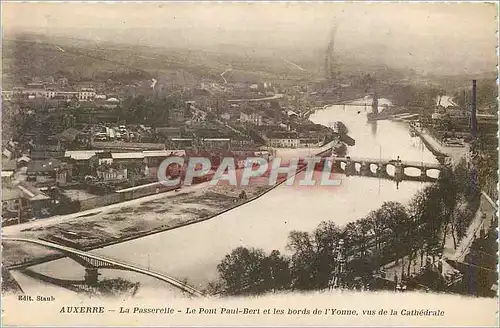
(473, 119)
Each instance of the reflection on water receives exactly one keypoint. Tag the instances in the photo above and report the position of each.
(193, 252)
(374, 126)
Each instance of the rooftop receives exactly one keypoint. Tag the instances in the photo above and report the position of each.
(24, 158)
(69, 134)
(6, 174)
(30, 192)
(159, 153)
(81, 155)
(134, 155)
(43, 165)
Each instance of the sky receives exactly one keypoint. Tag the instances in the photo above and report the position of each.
(456, 37)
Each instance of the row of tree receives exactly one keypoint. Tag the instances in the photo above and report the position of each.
(387, 234)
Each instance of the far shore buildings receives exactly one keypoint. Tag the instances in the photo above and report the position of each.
(42, 90)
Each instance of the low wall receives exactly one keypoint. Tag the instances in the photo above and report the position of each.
(99, 201)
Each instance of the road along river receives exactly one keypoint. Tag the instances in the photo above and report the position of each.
(193, 252)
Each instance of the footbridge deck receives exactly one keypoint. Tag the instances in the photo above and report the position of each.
(95, 261)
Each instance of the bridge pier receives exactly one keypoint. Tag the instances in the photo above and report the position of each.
(364, 170)
(91, 276)
(336, 167)
(423, 173)
(399, 173)
(381, 170)
(350, 168)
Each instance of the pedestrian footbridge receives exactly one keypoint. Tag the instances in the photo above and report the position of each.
(93, 262)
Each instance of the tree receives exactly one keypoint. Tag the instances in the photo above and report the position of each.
(241, 271)
(427, 212)
(326, 237)
(353, 237)
(303, 268)
(377, 228)
(117, 287)
(250, 271)
(448, 193)
(342, 128)
(395, 218)
(276, 269)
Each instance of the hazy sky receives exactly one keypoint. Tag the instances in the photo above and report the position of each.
(455, 37)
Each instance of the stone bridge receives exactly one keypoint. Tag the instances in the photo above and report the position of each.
(378, 168)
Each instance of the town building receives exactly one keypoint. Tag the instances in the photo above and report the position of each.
(250, 116)
(216, 143)
(80, 161)
(48, 172)
(23, 161)
(8, 170)
(86, 94)
(168, 132)
(23, 201)
(153, 160)
(283, 140)
(109, 174)
(11, 203)
(181, 143)
(101, 158)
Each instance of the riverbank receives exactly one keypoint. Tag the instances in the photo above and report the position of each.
(440, 151)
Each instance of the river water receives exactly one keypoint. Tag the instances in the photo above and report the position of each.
(193, 252)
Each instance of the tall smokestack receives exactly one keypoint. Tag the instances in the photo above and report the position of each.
(473, 120)
(473, 125)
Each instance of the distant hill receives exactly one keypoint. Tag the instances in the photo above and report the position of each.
(25, 56)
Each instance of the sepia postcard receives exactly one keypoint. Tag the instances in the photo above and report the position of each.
(249, 164)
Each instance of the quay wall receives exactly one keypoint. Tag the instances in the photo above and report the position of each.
(436, 152)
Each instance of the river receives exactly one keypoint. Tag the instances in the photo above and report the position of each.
(193, 252)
